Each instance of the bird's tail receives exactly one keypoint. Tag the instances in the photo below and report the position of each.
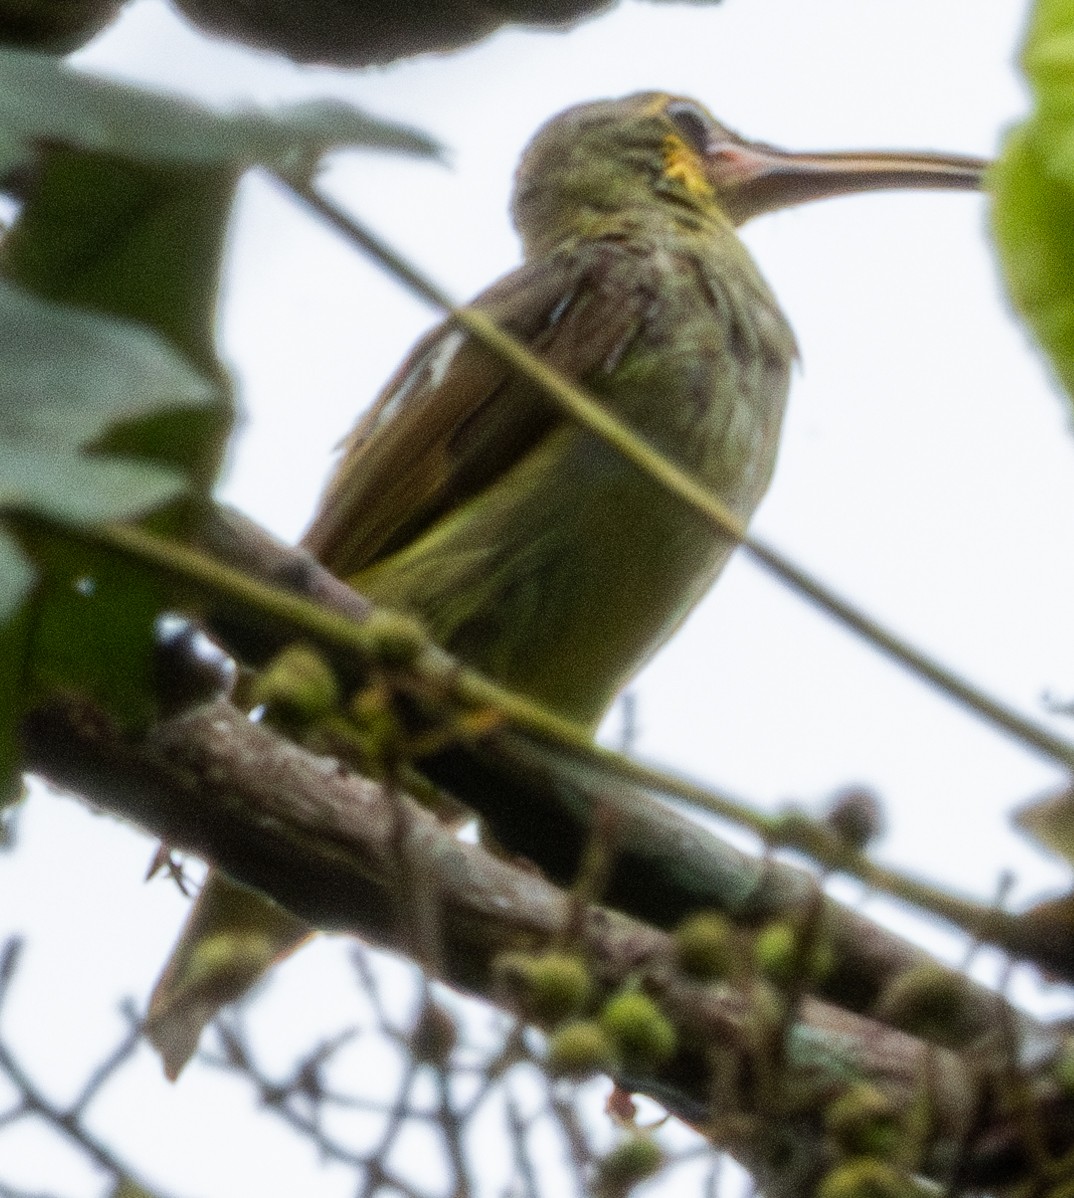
(231, 937)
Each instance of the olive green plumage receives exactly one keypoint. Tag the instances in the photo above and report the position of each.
(530, 549)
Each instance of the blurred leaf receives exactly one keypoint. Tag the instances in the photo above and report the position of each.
(129, 238)
(67, 378)
(56, 25)
(93, 630)
(44, 100)
(328, 31)
(1033, 186)
(1048, 54)
(114, 399)
(1033, 220)
(377, 31)
(128, 206)
(16, 579)
(115, 404)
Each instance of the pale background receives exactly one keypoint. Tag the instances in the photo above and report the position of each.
(927, 471)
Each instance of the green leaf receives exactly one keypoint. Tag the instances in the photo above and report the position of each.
(70, 382)
(112, 399)
(1048, 52)
(93, 621)
(1033, 221)
(16, 580)
(56, 25)
(67, 379)
(1033, 187)
(112, 404)
(129, 238)
(130, 199)
(44, 100)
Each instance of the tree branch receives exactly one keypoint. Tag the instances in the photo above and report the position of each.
(324, 843)
(667, 865)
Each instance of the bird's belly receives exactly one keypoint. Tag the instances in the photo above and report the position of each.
(561, 579)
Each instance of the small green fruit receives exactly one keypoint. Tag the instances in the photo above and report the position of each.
(778, 955)
(930, 1001)
(864, 1177)
(373, 720)
(579, 1049)
(551, 987)
(863, 1122)
(298, 687)
(631, 1161)
(639, 1029)
(704, 946)
(559, 985)
(856, 816)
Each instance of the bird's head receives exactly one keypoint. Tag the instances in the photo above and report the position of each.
(663, 156)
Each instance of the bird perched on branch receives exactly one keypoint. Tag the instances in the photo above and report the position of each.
(530, 549)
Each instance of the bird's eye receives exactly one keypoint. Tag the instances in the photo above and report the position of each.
(692, 122)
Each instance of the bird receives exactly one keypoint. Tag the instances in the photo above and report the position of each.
(529, 548)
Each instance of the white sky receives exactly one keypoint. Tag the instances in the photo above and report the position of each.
(927, 468)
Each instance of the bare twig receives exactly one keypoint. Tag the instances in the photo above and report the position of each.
(70, 1121)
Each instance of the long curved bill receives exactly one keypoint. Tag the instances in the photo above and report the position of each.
(753, 178)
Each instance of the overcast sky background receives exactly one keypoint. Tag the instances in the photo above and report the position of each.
(927, 470)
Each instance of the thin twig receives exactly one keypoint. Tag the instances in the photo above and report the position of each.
(70, 1121)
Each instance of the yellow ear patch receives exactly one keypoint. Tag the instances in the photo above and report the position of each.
(683, 166)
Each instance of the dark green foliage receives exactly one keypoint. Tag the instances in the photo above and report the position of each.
(113, 404)
(56, 25)
(1033, 188)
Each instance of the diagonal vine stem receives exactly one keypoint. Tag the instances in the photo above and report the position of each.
(598, 420)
